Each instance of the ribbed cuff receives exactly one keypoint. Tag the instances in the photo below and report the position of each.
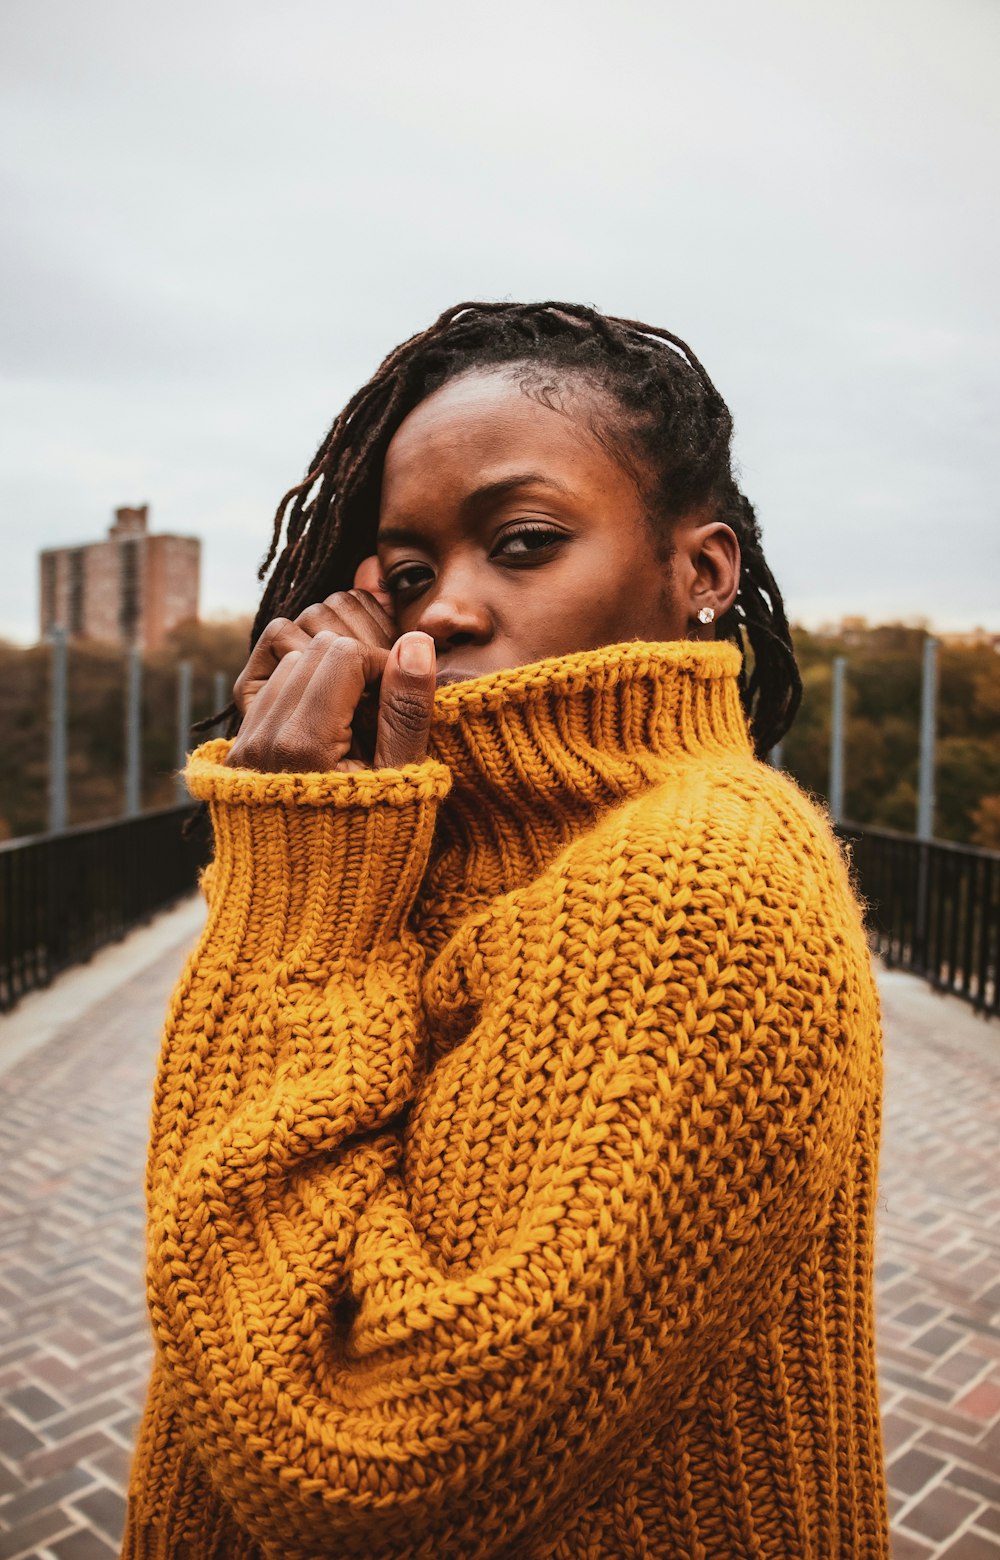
(312, 867)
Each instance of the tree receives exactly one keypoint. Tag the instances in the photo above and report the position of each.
(882, 736)
(96, 722)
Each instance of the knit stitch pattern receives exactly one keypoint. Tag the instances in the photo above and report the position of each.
(511, 1182)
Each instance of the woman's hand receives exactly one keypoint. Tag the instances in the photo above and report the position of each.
(363, 614)
(300, 690)
(302, 717)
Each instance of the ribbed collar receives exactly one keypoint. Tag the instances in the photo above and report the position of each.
(538, 752)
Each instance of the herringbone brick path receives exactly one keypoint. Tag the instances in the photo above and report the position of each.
(73, 1333)
(73, 1345)
(938, 1275)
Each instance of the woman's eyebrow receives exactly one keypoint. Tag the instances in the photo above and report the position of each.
(490, 492)
(397, 536)
(481, 498)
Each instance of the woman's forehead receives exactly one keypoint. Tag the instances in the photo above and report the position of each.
(486, 419)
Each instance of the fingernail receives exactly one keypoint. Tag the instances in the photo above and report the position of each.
(416, 654)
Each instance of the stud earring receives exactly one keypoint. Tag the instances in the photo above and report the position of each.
(706, 615)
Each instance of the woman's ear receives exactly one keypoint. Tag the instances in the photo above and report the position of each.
(713, 554)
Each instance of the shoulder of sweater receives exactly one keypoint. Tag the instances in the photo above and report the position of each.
(724, 814)
(720, 787)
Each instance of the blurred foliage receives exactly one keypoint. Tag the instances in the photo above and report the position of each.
(881, 759)
(96, 721)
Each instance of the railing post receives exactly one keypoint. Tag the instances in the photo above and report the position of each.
(133, 729)
(183, 726)
(925, 806)
(57, 734)
(219, 694)
(928, 741)
(836, 789)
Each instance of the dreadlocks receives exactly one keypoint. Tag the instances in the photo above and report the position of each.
(667, 413)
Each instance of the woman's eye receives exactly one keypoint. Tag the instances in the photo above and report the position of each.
(408, 577)
(529, 539)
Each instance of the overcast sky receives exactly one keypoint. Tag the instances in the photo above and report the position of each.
(219, 216)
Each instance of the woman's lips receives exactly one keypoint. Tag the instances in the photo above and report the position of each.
(449, 674)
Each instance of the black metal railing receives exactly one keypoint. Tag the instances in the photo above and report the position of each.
(63, 896)
(933, 908)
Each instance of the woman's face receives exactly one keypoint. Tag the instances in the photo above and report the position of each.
(509, 533)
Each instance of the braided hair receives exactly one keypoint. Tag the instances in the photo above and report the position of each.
(667, 418)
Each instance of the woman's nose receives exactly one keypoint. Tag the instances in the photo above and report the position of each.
(454, 616)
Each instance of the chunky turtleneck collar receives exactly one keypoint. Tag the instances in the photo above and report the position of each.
(538, 752)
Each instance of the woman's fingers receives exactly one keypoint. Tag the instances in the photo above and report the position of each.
(302, 720)
(406, 702)
(246, 742)
(280, 638)
(299, 691)
(354, 614)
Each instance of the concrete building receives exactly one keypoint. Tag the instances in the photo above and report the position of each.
(132, 588)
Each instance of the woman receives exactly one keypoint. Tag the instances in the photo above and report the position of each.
(513, 1156)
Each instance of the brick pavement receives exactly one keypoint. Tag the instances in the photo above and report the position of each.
(938, 1275)
(73, 1345)
(73, 1334)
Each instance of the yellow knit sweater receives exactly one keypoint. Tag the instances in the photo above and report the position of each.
(512, 1169)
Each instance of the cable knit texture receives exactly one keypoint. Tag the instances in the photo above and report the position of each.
(512, 1169)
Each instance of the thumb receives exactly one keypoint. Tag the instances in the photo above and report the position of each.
(406, 702)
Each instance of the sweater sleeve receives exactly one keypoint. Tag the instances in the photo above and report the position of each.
(416, 1311)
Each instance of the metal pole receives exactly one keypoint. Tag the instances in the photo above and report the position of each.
(183, 726)
(133, 724)
(925, 808)
(836, 794)
(220, 694)
(57, 735)
(928, 742)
